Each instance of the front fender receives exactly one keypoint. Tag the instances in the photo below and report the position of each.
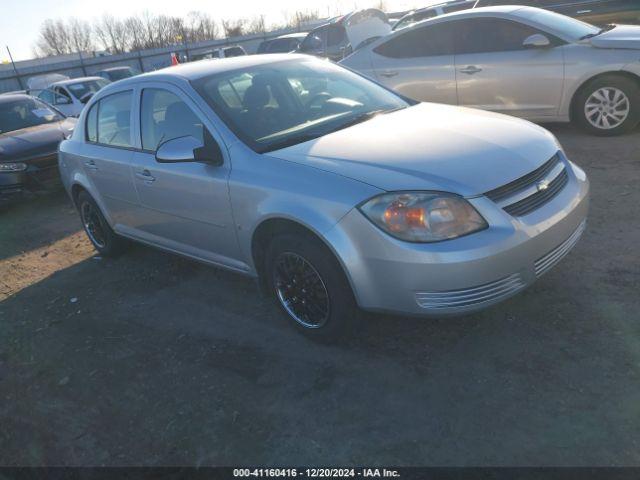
(263, 188)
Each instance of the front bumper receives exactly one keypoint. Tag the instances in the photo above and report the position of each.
(35, 177)
(466, 274)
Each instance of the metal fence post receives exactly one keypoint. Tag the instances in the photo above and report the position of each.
(13, 64)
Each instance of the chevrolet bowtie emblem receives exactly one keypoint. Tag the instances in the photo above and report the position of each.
(543, 185)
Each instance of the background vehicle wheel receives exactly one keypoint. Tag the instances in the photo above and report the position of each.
(310, 286)
(103, 238)
(608, 105)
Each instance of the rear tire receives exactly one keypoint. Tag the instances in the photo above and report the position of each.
(608, 105)
(100, 233)
(310, 287)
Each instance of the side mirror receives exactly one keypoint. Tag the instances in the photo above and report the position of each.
(537, 40)
(190, 149)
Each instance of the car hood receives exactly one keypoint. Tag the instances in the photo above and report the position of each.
(430, 147)
(33, 141)
(623, 36)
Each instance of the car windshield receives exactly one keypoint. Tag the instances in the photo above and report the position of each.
(24, 113)
(570, 27)
(284, 103)
(80, 89)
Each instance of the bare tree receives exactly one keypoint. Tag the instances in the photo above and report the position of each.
(255, 25)
(300, 18)
(201, 27)
(113, 34)
(54, 39)
(232, 28)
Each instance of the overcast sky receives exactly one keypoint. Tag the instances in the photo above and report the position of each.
(21, 19)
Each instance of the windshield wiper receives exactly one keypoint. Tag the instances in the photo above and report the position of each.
(606, 28)
(363, 117)
(289, 142)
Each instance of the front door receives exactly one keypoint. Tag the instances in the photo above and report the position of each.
(495, 71)
(418, 63)
(184, 206)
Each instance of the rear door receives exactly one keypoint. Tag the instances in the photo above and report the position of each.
(184, 206)
(419, 62)
(496, 72)
(108, 155)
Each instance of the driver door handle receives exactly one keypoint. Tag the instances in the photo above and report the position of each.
(146, 176)
(389, 74)
(470, 70)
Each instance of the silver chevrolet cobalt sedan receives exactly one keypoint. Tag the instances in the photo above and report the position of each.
(523, 61)
(334, 192)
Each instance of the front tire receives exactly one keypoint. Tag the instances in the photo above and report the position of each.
(310, 287)
(608, 105)
(100, 233)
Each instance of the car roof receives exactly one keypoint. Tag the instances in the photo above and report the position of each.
(75, 80)
(203, 68)
(291, 35)
(9, 97)
(474, 12)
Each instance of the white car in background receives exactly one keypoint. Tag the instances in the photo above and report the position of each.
(70, 96)
(522, 61)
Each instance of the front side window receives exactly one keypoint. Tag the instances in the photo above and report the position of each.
(25, 113)
(114, 120)
(47, 96)
(482, 35)
(164, 116)
(280, 104)
(315, 40)
(423, 41)
(336, 35)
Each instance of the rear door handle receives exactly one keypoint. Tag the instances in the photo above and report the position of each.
(470, 70)
(91, 165)
(389, 74)
(146, 176)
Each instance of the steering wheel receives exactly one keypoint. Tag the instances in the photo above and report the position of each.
(319, 97)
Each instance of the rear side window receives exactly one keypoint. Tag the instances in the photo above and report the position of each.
(482, 35)
(114, 120)
(425, 41)
(92, 124)
(164, 116)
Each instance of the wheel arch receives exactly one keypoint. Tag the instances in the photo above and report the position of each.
(270, 227)
(619, 73)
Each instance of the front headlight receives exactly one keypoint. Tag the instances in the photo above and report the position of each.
(13, 167)
(423, 216)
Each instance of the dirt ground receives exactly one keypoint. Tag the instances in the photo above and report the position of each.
(151, 359)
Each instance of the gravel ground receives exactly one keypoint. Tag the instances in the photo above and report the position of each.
(151, 359)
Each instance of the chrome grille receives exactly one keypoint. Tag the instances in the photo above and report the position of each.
(525, 194)
(539, 198)
(467, 297)
(545, 263)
